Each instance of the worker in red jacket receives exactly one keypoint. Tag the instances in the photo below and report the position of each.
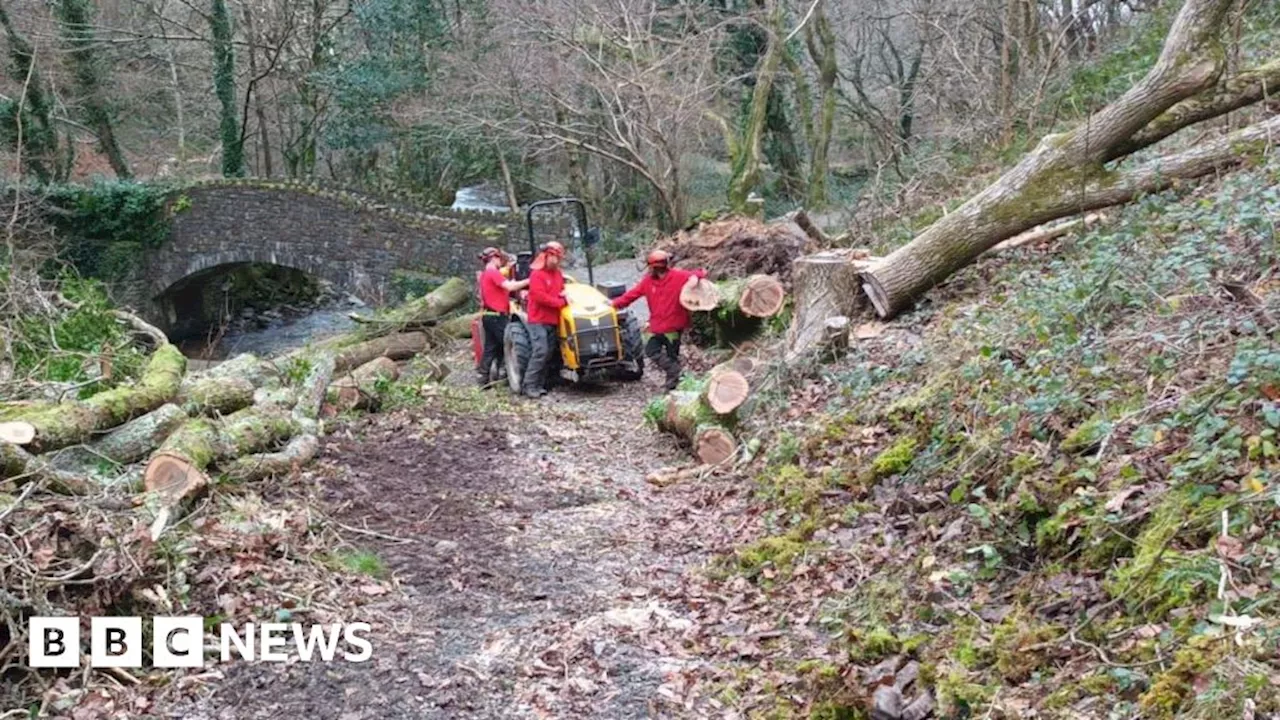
(661, 287)
(495, 298)
(546, 299)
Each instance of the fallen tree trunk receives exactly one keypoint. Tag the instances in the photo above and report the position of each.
(401, 346)
(683, 413)
(259, 466)
(450, 296)
(358, 389)
(312, 389)
(70, 423)
(176, 471)
(455, 328)
(17, 464)
(825, 286)
(1065, 174)
(743, 306)
(215, 394)
(246, 366)
(126, 444)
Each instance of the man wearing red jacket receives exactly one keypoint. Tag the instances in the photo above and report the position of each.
(495, 297)
(546, 299)
(661, 287)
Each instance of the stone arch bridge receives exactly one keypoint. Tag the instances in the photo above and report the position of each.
(357, 241)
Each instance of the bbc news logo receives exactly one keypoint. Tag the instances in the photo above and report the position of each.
(178, 642)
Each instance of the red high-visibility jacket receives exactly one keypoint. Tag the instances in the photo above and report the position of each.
(546, 288)
(666, 314)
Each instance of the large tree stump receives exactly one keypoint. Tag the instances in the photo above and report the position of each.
(70, 423)
(826, 284)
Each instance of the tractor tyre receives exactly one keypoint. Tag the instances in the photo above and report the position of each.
(516, 349)
(632, 349)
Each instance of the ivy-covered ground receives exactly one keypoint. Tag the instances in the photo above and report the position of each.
(1049, 492)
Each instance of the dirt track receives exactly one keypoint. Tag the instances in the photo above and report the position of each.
(530, 552)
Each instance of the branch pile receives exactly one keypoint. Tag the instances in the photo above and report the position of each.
(88, 486)
(739, 246)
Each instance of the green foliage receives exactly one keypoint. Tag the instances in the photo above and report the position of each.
(106, 228)
(72, 347)
(895, 459)
(362, 562)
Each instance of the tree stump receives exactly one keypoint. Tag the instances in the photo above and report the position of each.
(826, 285)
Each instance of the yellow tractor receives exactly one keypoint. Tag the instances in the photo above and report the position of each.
(595, 341)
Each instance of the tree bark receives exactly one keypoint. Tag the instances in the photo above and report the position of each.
(401, 346)
(1050, 181)
(126, 444)
(71, 423)
(214, 394)
(684, 414)
(825, 286)
(300, 451)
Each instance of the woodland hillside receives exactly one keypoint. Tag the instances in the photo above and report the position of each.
(981, 396)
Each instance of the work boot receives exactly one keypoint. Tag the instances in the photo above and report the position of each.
(673, 374)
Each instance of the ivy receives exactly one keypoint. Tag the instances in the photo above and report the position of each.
(106, 228)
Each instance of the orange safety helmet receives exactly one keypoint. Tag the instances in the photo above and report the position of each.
(658, 259)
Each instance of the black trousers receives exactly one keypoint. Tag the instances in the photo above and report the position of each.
(658, 346)
(542, 342)
(494, 328)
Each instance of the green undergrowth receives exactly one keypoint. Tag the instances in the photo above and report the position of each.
(1078, 465)
(85, 347)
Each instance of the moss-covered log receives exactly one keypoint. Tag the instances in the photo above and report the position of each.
(456, 328)
(360, 388)
(685, 414)
(1068, 174)
(75, 422)
(18, 464)
(311, 390)
(126, 444)
(401, 346)
(744, 304)
(420, 312)
(245, 366)
(215, 394)
(258, 466)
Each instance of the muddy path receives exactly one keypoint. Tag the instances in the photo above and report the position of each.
(528, 563)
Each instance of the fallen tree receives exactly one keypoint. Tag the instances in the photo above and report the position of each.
(685, 414)
(71, 423)
(738, 307)
(359, 388)
(400, 346)
(420, 312)
(126, 444)
(1068, 174)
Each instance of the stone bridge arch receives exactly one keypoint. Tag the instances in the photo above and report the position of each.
(357, 241)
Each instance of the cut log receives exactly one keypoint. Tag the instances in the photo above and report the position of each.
(1044, 233)
(176, 472)
(699, 295)
(726, 390)
(835, 336)
(825, 286)
(401, 346)
(312, 389)
(758, 296)
(358, 389)
(259, 466)
(70, 423)
(215, 394)
(126, 444)
(686, 415)
(450, 296)
(246, 366)
(17, 432)
(455, 328)
(16, 463)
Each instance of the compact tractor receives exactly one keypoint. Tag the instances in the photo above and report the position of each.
(596, 342)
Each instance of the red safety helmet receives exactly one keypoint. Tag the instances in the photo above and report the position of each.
(658, 259)
(489, 253)
(555, 248)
